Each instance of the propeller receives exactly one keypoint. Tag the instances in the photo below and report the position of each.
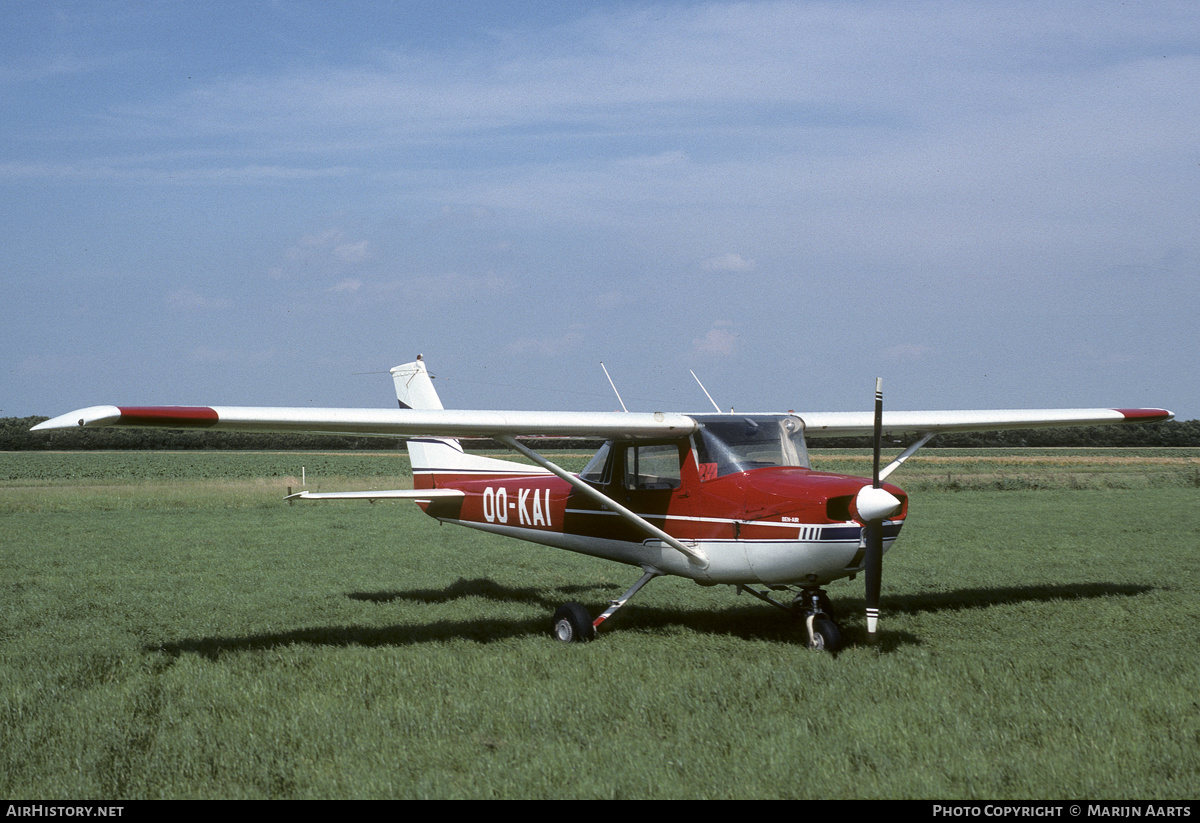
(873, 504)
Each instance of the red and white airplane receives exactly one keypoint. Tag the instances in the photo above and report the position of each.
(716, 498)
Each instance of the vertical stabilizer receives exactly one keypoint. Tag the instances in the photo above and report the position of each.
(414, 390)
(414, 386)
(432, 456)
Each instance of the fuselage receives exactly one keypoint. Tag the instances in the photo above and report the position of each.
(755, 520)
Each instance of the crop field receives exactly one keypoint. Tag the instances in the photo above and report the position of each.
(169, 628)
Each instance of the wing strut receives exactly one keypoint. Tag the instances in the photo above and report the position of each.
(904, 455)
(696, 555)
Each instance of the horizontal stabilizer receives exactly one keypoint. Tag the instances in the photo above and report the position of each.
(392, 494)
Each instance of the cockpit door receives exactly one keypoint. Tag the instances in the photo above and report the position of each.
(654, 480)
(657, 480)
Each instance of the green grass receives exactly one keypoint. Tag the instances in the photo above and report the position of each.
(1013, 469)
(190, 635)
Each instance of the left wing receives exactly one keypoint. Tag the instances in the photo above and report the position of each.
(852, 424)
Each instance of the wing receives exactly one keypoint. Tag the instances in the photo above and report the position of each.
(849, 424)
(382, 422)
(602, 425)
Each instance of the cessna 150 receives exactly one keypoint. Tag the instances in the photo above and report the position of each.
(715, 498)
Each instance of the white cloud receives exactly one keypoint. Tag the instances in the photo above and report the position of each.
(611, 299)
(163, 170)
(351, 252)
(190, 300)
(728, 262)
(545, 346)
(325, 253)
(719, 340)
(226, 356)
(450, 284)
(906, 352)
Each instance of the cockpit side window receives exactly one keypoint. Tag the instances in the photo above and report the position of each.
(599, 468)
(652, 466)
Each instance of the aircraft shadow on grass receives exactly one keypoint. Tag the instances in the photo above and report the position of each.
(479, 587)
(750, 622)
(981, 598)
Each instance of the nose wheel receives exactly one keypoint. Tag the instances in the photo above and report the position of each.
(813, 607)
(824, 635)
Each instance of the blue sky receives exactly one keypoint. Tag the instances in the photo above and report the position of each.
(990, 205)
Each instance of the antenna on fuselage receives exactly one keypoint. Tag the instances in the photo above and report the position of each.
(614, 387)
(706, 394)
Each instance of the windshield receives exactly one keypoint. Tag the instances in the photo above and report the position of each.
(736, 443)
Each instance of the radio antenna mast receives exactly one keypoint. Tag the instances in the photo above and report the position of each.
(614, 388)
(706, 394)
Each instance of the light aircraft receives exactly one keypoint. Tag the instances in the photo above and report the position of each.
(718, 498)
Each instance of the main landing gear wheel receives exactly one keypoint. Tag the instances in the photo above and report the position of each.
(573, 624)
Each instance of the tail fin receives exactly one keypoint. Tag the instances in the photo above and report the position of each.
(432, 456)
(414, 386)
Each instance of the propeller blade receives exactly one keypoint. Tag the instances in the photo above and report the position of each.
(873, 528)
(872, 571)
(878, 428)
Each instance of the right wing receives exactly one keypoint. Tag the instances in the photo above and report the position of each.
(383, 422)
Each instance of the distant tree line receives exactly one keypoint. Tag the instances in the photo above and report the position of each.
(15, 436)
(1147, 435)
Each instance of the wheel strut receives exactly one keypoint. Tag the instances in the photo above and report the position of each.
(822, 632)
(572, 623)
(614, 605)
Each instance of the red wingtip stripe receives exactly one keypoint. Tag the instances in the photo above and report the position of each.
(1145, 415)
(183, 417)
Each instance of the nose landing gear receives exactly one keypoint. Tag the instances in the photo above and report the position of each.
(813, 607)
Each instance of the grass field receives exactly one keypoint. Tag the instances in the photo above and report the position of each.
(169, 629)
